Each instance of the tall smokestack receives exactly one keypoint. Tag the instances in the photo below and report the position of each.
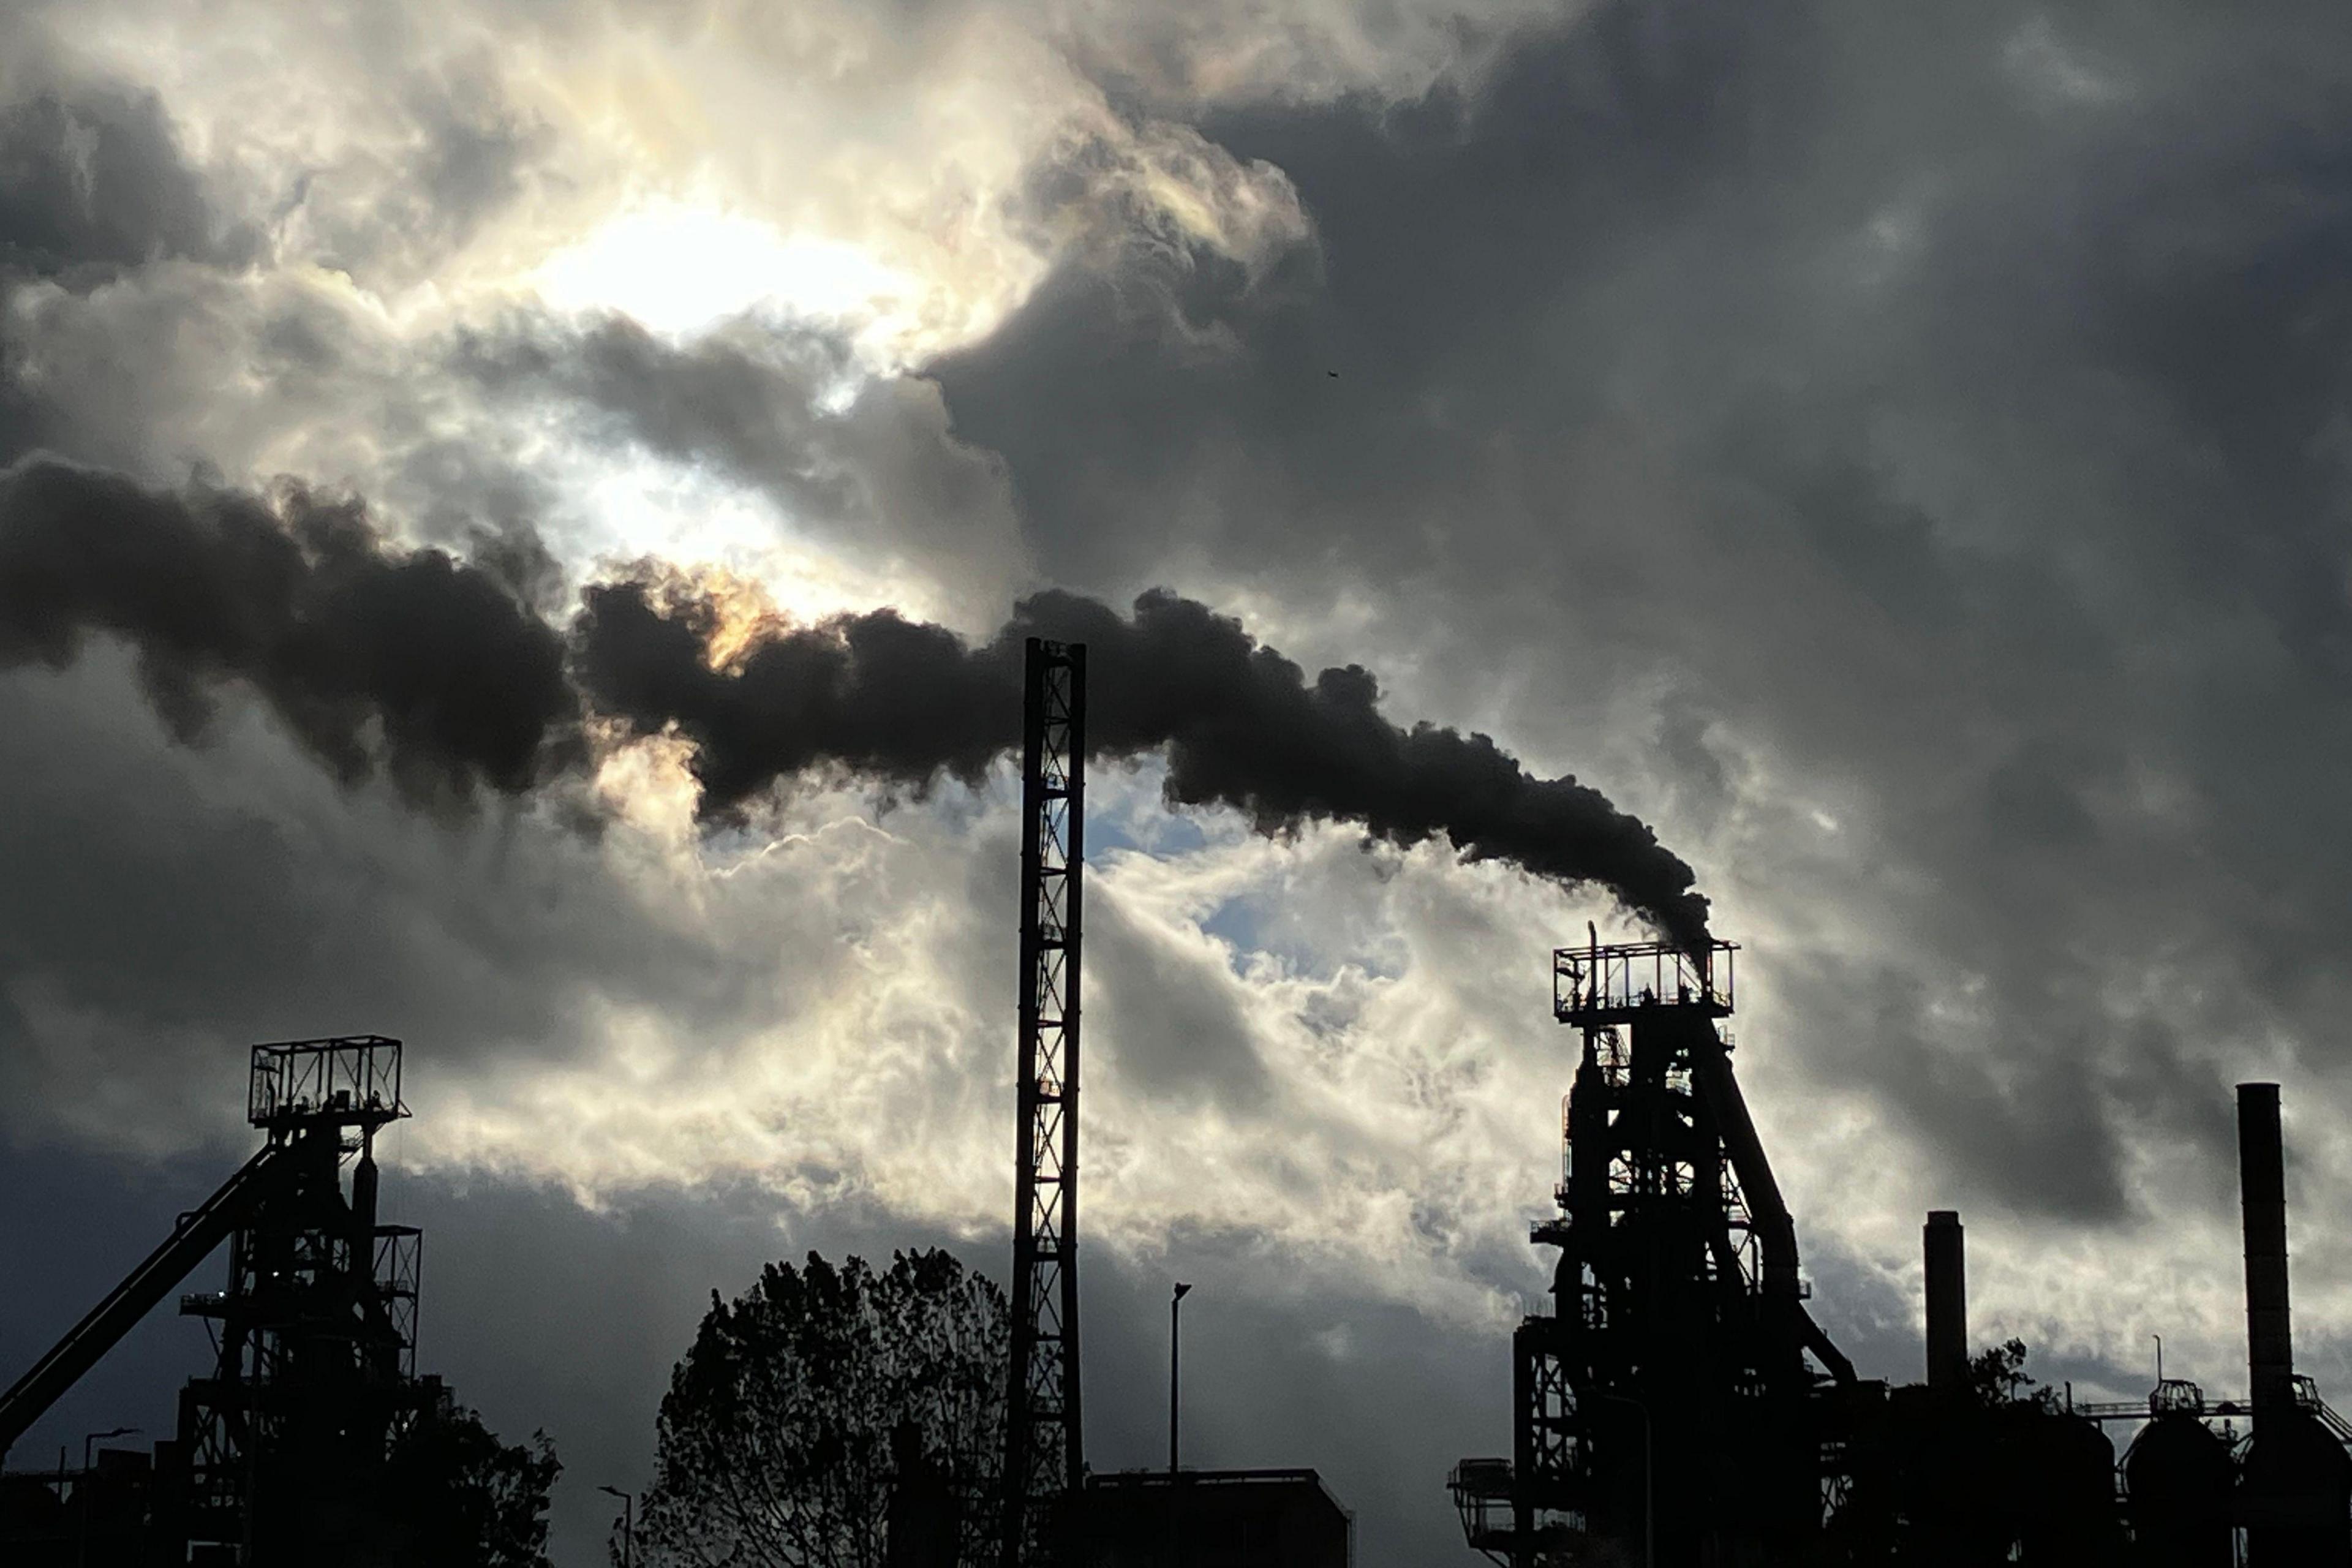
(2262, 1189)
(1947, 1302)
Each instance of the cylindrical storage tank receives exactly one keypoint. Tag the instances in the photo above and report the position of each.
(2294, 1495)
(2177, 1479)
(2068, 1490)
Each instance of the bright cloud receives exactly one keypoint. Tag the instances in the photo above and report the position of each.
(678, 269)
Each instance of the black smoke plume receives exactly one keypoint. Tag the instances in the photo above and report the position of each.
(428, 667)
(441, 672)
(1241, 727)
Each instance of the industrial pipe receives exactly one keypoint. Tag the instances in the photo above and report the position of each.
(1776, 1229)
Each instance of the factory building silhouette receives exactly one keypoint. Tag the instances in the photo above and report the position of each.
(1678, 1406)
(282, 1455)
(281, 1452)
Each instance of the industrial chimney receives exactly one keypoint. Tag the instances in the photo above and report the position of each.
(2261, 1188)
(1947, 1302)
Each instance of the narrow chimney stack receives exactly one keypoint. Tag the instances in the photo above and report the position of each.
(1947, 1302)
(2261, 1190)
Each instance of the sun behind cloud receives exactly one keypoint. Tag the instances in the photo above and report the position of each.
(680, 269)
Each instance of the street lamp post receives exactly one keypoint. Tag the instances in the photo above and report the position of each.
(1175, 1396)
(1649, 1480)
(1175, 1352)
(81, 1489)
(628, 1524)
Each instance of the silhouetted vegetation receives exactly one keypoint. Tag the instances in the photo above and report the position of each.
(1998, 1377)
(461, 1499)
(775, 1441)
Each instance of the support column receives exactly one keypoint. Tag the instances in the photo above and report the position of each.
(1045, 1450)
(1947, 1302)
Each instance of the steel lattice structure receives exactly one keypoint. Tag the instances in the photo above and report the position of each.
(282, 1452)
(1045, 1458)
(315, 1368)
(1663, 1408)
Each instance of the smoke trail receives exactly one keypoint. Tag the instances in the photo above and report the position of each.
(440, 672)
(431, 667)
(1241, 727)
(875, 694)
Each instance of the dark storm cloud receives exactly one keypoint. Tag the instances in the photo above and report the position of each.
(879, 476)
(1730, 352)
(1942, 407)
(753, 404)
(1242, 726)
(346, 639)
(164, 908)
(476, 152)
(93, 183)
(2146, 345)
(1457, 234)
(93, 177)
(465, 155)
(1721, 351)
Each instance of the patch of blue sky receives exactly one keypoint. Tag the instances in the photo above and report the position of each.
(1164, 833)
(1127, 810)
(1265, 923)
(1240, 925)
(1127, 813)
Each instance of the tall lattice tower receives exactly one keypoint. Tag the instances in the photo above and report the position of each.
(1045, 1449)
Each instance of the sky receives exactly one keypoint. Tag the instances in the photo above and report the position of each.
(1897, 454)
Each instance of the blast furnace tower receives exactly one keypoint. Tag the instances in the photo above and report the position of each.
(280, 1456)
(1665, 1409)
(315, 1371)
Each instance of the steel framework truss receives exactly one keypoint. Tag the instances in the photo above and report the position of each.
(1662, 1408)
(1045, 1457)
(316, 1334)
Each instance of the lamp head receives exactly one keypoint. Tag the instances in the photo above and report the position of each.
(1180, 1289)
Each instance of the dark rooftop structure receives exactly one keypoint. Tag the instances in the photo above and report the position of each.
(1210, 1519)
